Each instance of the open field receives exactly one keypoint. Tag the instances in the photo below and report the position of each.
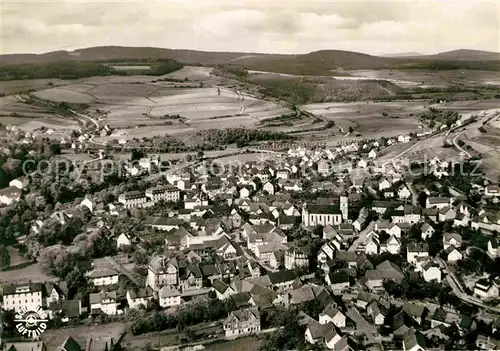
(100, 334)
(250, 343)
(371, 119)
(31, 272)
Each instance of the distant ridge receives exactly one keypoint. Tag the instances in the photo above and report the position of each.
(463, 55)
(403, 54)
(317, 63)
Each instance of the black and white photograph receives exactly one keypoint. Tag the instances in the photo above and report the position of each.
(252, 175)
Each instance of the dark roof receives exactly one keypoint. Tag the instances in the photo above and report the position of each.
(241, 299)
(323, 209)
(209, 270)
(282, 276)
(220, 286)
(338, 277)
(11, 289)
(413, 338)
(70, 345)
(71, 308)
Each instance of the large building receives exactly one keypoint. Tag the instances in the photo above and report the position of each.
(133, 199)
(167, 193)
(314, 215)
(23, 296)
(162, 271)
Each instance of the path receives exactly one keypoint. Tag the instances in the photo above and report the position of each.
(362, 237)
(462, 151)
(414, 196)
(458, 290)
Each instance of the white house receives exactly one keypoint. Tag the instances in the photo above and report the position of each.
(427, 231)
(168, 296)
(269, 188)
(136, 298)
(384, 184)
(20, 183)
(486, 289)
(103, 276)
(10, 195)
(23, 296)
(452, 239)
(123, 240)
(105, 302)
(332, 315)
(431, 272)
(489, 191)
(403, 192)
(493, 248)
(415, 250)
(452, 254)
(372, 154)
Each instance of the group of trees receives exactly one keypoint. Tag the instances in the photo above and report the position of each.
(147, 321)
(81, 69)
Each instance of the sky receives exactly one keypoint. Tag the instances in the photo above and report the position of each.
(268, 26)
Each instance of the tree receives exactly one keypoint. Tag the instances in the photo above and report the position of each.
(188, 158)
(136, 154)
(200, 154)
(55, 148)
(4, 258)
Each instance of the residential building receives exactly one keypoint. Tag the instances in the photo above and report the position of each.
(138, 297)
(105, 302)
(28, 296)
(295, 258)
(133, 199)
(415, 250)
(169, 296)
(486, 289)
(103, 276)
(242, 322)
(162, 271)
(167, 193)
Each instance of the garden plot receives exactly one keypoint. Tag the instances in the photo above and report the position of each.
(63, 94)
(191, 73)
(371, 119)
(16, 86)
(81, 88)
(123, 90)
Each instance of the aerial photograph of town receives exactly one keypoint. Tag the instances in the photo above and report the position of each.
(253, 175)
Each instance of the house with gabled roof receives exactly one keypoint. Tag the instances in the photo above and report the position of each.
(282, 280)
(138, 297)
(427, 230)
(415, 250)
(414, 341)
(242, 322)
(431, 271)
(331, 314)
(452, 239)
